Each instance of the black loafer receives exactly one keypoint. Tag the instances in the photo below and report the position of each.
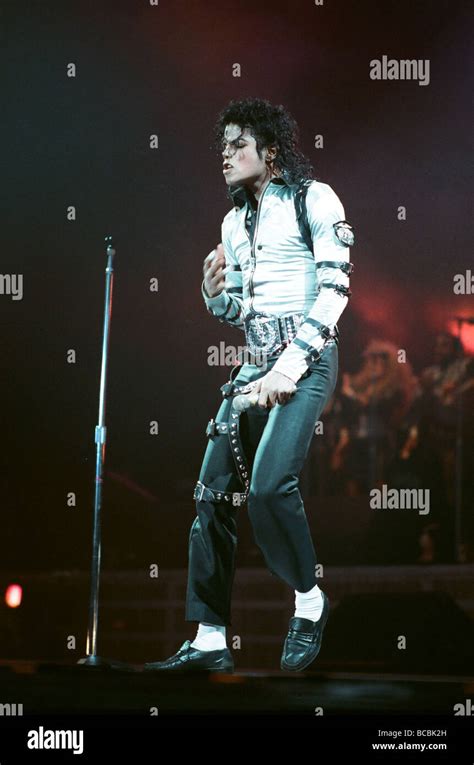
(189, 659)
(303, 641)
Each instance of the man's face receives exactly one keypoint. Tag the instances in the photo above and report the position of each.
(239, 151)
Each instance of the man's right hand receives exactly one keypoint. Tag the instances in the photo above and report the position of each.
(213, 270)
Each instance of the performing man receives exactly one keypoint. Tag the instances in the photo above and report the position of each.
(280, 275)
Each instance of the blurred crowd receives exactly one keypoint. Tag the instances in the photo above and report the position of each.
(388, 425)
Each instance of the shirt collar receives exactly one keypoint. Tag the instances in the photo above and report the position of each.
(239, 195)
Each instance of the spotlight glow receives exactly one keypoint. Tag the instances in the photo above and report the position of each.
(13, 595)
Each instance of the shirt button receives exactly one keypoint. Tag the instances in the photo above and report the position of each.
(259, 247)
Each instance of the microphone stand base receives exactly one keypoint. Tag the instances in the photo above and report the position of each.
(98, 662)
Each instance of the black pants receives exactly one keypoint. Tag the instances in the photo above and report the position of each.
(276, 443)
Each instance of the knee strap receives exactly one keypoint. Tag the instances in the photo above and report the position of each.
(202, 492)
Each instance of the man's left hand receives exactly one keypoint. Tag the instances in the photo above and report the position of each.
(274, 388)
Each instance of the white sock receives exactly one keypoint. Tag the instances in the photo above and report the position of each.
(309, 605)
(209, 637)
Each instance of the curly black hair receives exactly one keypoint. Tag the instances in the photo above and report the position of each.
(269, 125)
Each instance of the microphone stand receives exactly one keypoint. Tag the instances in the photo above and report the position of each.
(458, 479)
(92, 660)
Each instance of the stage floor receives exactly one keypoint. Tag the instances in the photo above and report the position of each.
(58, 688)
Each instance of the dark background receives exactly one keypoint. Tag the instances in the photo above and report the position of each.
(84, 141)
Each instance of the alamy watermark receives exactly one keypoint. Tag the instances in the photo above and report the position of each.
(229, 355)
(463, 284)
(11, 710)
(400, 499)
(12, 284)
(400, 69)
(56, 739)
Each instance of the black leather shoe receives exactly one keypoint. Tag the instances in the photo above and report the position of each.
(189, 659)
(303, 641)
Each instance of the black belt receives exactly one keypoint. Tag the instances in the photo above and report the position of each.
(232, 431)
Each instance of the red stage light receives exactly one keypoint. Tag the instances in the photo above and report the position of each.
(13, 595)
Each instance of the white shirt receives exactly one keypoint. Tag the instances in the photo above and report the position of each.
(281, 277)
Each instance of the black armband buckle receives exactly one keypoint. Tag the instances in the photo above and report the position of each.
(340, 288)
(344, 265)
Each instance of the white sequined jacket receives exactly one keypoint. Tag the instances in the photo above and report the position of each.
(277, 274)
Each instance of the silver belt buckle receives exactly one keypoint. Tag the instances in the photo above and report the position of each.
(262, 333)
